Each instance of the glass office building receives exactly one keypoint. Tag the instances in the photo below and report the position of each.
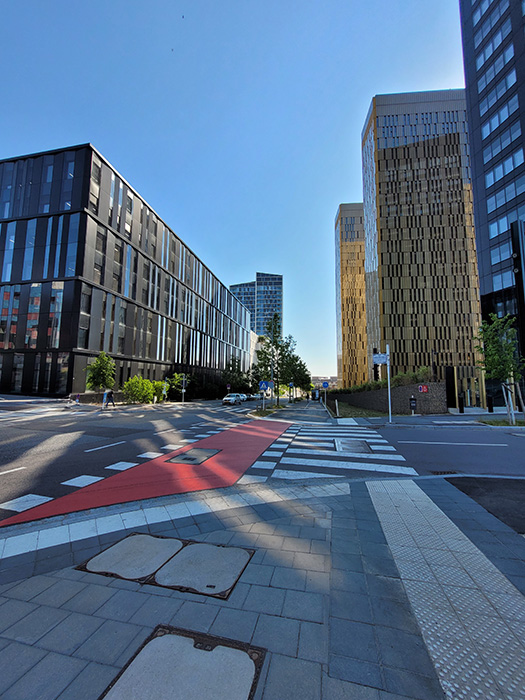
(263, 298)
(87, 265)
(494, 59)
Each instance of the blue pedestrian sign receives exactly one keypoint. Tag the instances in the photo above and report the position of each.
(263, 386)
(325, 385)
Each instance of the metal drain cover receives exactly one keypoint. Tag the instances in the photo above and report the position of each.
(134, 557)
(348, 445)
(197, 455)
(204, 568)
(176, 663)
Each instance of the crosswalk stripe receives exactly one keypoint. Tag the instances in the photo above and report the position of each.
(349, 466)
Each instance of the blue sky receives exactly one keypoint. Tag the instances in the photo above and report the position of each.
(239, 121)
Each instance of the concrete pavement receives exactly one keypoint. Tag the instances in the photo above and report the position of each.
(362, 588)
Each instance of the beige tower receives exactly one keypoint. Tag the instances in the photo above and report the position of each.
(422, 287)
(352, 363)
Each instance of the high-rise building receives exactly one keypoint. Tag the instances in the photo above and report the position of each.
(352, 359)
(87, 265)
(263, 298)
(422, 292)
(494, 57)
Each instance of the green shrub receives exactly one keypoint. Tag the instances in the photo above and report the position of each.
(158, 390)
(138, 390)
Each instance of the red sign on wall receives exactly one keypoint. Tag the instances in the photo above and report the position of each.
(423, 388)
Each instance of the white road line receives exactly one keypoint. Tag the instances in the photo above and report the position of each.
(113, 444)
(344, 453)
(455, 444)
(8, 471)
(349, 466)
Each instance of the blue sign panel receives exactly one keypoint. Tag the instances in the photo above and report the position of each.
(325, 385)
(263, 386)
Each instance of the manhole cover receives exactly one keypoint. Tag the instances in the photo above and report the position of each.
(348, 445)
(197, 455)
(207, 569)
(175, 663)
(134, 557)
(204, 568)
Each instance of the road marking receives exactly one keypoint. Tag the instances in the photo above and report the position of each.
(463, 444)
(349, 466)
(113, 444)
(8, 471)
(26, 502)
(84, 480)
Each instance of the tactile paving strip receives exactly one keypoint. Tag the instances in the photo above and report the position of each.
(469, 628)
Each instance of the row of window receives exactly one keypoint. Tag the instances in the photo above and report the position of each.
(40, 365)
(480, 11)
(56, 254)
(491, 46)
(502, 280)
(500, 117)
(495, 68)
(504, 168)
(497, 93)
(506, 194)
(500, 253)
(500, 142)
(12, 321)
(491, 22)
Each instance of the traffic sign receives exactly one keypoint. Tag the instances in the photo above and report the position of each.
(380, 358)
(423, 388)
(325, 385)
(263, 386)
(290, 384)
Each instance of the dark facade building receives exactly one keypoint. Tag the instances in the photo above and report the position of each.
(494, 57)
(263, 298)
(86, 265)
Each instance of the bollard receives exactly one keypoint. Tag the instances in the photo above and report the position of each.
(490, 404)
(461, 404)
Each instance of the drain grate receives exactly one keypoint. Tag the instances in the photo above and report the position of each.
(197, 665)
(197, 455)
(184, 565)
(444, 473)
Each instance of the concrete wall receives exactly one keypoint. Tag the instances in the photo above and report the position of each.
(435, 401)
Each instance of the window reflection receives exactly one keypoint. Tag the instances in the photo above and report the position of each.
(33, 314)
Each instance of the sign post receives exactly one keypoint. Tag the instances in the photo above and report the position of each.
(383, 358)
(183, 390)
(325, 387)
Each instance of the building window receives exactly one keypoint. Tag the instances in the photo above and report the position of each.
(493, 44)
(504, 168)
(506, 194)
(33, 315)
(494, 95)
(7, 267)
(498, 65)
(27, 267)
(491, 22)
(500, 253)
(504, 113)
(501, 142)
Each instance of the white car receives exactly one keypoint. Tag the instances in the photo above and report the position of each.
(243, 397)
(232, 399)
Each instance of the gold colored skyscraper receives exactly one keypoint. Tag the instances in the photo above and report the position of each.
(422, 287)
(352, 363)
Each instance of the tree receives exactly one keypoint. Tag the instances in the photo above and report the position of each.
(498, 344)
(277, 361)
(101, 373)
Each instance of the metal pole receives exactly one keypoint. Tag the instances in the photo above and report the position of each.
(388, 381)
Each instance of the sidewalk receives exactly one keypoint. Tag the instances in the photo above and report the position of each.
(375, 590)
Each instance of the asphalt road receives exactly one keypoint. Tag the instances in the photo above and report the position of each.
(468, 449)
(42, 445)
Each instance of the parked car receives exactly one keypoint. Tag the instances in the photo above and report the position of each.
(244, 397)
(232, 399)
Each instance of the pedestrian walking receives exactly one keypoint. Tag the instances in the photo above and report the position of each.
(109, 398)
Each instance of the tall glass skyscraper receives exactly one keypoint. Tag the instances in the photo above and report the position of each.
(263, 298)
(494, 58)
